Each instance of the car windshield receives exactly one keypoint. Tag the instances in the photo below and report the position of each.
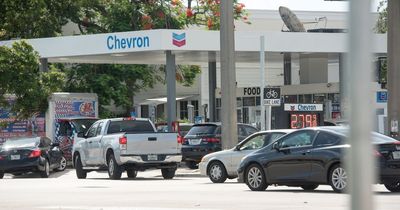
(21, 143)
(202, 129)
(184, 129)
(82, 125)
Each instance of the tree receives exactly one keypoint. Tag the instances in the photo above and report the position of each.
(23, 89)
(381, 24)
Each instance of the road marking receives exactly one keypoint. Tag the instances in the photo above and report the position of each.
(114, 208)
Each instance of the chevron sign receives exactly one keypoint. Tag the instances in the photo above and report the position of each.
(179, 40)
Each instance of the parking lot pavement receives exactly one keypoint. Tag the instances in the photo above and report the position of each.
(149, 191)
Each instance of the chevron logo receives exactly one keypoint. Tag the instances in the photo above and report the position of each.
(179, 40)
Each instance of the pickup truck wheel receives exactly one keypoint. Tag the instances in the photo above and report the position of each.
(80, 173)
(1, 174)
(192, 165)
(168, 173)
(131, 173)
(114, 170)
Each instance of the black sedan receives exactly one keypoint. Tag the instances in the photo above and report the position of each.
(32, 154)
(309, 157)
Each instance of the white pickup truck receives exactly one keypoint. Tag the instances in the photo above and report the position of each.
(126, 144)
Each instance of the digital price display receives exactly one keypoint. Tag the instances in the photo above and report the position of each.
(303, 120)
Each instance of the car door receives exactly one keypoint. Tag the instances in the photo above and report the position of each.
(86, 144)
(322, 153)
(45, 147)
(290, 162)
(95, 147)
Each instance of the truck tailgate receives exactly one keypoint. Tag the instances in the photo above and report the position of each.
(153, 143)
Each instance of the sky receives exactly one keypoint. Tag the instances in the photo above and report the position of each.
(305, 5)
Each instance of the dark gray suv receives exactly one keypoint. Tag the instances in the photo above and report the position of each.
(205, 138)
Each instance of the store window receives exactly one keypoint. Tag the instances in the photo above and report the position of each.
(195, 107)
(183, 109)
(319, 98)
(249, 101)
(291, 99)
(144, 111)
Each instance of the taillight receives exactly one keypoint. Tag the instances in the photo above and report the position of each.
(1, 157)
(35, 153)
(180, 139)
(212, 140)
(377, 153)
(122, 142)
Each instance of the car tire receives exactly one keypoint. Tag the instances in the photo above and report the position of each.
(114, 170)
(168, 173)
(80, 173)
(63, 164)
(255, 178)
(217, 172)
(46, 172)
(1, 174)
(192, 165)
(393, 187)
(338, 178)
(131, 173)
(309, 187)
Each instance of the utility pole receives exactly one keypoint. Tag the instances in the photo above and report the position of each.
(228, 76)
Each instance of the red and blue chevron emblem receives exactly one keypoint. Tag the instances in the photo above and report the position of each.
(179, 40)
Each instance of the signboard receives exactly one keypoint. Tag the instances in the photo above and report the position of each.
(304, 107)
(381, 97)
(272, 96)
(65, 109)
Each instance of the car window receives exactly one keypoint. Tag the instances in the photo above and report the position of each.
(326, 139)
(256, 142)
(298, 139)
(271, 137)
(202, 130)
(98, 133)
(130, 126)
(241, 131)
(92, 130)
(250, 130)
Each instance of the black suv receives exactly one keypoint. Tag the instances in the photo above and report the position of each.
(205, 138)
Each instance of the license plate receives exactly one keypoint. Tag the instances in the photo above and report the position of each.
(15, 157)
(152, 157)
(396, 155)
(194, 141)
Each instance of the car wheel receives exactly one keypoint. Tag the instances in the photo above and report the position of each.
(1, 174)
(255, 178)
(309, 187)
(217, 172)
(114, 170)
(168, 173)
(131, 173)
(192, 165)
(46, 172)
(338, 178)
(80, 173)
(63, 164)
(393, 187)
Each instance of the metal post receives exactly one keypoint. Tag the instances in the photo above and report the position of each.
(171, 89)
(360, 163)
(44, 65)
(228, 77)
(344, 77)
(262, 75)
(393, 67)
(212, 84)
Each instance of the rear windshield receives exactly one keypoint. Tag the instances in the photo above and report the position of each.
(21, 142)
(82, 125)
(376, 137)
(130, 126)
(184, 129)
(202, 130)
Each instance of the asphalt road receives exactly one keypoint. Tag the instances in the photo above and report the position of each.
(149, 191)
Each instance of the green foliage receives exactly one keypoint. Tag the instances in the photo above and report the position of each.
(33, 18)
(381, 24)
(22, 81)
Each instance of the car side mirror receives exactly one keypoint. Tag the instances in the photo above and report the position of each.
(237, 147)
(275, 146)
(81, 134)
(55, 144)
